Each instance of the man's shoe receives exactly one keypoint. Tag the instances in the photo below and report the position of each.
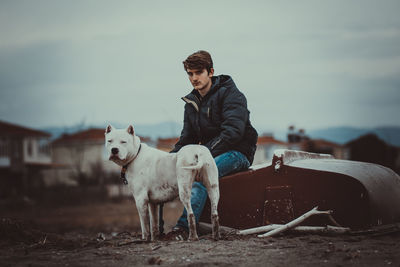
(177, 233)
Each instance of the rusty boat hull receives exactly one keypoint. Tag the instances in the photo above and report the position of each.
(361, 195)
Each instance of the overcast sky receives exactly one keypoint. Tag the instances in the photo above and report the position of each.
(314, 64)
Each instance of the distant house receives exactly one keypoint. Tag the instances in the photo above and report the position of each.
(266, 145)
(370, 148)
(21, 147)
(84, 153)
(300, 141)
(24, 153)
(297, 140)
(321, 146)
(326, 147)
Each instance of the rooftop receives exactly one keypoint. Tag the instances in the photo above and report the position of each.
(9, 129)
(267, 139)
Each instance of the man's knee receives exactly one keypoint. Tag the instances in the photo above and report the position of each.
(231, 162)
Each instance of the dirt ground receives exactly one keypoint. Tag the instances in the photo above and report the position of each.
(107, 234)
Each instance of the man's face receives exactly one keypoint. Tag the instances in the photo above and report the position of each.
(200, 79)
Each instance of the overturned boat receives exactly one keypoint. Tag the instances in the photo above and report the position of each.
(361, 195)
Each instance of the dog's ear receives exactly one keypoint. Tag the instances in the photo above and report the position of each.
(109, 128)
(131, 130)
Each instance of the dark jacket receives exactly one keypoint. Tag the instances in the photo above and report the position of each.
(220, 120)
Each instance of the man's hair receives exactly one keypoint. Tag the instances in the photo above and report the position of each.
(198, 61)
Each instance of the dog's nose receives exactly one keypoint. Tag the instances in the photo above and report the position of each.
(114, 150)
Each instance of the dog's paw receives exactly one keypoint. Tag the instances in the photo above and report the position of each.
(146, 238)
(216, 237)
(193, 238)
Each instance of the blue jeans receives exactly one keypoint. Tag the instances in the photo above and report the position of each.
(227, 163)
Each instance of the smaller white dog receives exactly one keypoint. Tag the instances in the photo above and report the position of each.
(155, 177)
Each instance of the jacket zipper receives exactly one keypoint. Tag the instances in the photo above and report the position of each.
(216, 143)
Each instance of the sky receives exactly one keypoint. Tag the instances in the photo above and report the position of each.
(312, 64)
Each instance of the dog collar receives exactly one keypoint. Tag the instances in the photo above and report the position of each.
(125, 167)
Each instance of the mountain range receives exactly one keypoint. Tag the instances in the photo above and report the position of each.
(340, 135)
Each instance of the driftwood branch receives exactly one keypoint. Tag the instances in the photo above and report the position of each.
(295, 222)
(329, 229)
(302, 229)
(260, 229)
(335, 223)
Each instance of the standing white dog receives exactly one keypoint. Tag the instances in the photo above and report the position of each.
(155, 177)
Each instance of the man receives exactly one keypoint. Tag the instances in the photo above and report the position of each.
(217, 117)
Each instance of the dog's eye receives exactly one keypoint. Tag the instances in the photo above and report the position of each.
(123, 142)
(109, 141)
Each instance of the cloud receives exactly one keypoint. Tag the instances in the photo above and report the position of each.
(307, 62)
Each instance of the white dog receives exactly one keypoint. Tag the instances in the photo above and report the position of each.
(155, 177)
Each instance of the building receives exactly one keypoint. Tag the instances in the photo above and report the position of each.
(302, 142)
(24, 153)
(85, 155)
(22, 147)
(266, 145)
(83, 152)
(322, 146)
(370, 148)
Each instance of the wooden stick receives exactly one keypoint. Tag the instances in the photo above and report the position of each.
(335, 223)
(322, 229)
(295, 222)
(302, 229)
(261, 229)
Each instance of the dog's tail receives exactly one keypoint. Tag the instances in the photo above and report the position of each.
(198, 161)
